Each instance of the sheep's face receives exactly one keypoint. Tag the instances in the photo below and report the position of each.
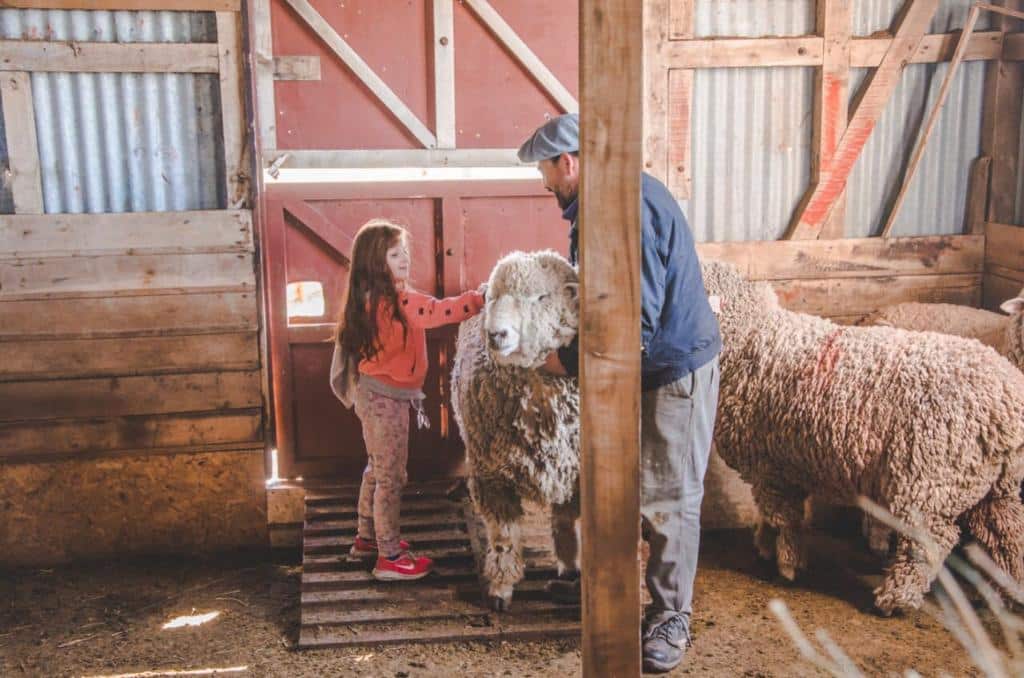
(532, 308)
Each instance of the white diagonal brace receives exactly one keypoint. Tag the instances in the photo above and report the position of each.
(363, 71)
(524, 55)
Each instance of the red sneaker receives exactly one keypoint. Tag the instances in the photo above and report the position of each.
(366, 549)
(406, 567)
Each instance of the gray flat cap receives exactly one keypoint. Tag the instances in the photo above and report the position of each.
(553, 138)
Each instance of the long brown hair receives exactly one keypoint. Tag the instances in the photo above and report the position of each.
(369, 283)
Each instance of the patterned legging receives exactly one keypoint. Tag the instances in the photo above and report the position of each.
(386, 433)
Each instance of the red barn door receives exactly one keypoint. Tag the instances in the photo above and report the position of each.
(390, 83)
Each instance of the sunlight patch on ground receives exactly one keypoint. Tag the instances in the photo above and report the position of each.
(191, 620)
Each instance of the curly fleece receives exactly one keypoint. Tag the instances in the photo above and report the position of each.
(928, 425)
(1003, 333)
(520, 426)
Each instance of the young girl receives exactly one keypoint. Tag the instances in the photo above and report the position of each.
(381, 330)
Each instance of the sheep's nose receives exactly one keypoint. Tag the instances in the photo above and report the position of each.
(497, 337)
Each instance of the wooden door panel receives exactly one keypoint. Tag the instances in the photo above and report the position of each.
(328, 438)
(322, 438)
(458, 233)
(397, 84)
(497, 103)
(416, 215)
(337, 111)
(480, 74)
(495, 226)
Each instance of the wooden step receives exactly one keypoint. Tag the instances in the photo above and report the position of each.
(342, 544)
(531, 588)
(319, 581)
(337, 510)
(440, 554)
(343, 605)
(438, 610)
(351, 496)
(349, 598)
(350, 489)
(316, 525)
(332, 636)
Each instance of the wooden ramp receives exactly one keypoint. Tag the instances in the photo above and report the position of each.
(343, 605)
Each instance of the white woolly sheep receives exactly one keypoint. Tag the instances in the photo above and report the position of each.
(520, 426)
(929, 426)
(1003, 333)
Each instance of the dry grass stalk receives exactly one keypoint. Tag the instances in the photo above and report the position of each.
(954, 611)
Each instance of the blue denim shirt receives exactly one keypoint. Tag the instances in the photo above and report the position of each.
(678, 329)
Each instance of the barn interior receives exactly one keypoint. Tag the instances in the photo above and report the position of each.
(182, 185)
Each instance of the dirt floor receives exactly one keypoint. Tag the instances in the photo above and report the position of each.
(106, 619)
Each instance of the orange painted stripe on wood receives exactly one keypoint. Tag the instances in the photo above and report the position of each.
(680, 89)
(834, 90)
(838, 171)
(822, 196)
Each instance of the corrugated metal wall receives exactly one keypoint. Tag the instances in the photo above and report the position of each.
(937, 197)
(139, 142)
(873, 16)
(753, 126)
(751, 141)
(752, 18)
(124, 142)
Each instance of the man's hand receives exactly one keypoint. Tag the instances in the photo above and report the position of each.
(552, 365)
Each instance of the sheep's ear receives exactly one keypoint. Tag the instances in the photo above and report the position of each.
(1012, 306)
(572, 289)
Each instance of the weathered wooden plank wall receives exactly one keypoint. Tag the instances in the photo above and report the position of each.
(131, 399)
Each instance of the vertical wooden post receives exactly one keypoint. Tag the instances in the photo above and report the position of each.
(680, 97)
(977, 195)
(263, 77)
(444, 73)
(229, 49)
(655, 89)
(256, 29)
(831, 100)
(276, 293)
(1000, 131)
(22, 147)
(611, 104)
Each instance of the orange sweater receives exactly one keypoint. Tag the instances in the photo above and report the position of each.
(403, 364)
